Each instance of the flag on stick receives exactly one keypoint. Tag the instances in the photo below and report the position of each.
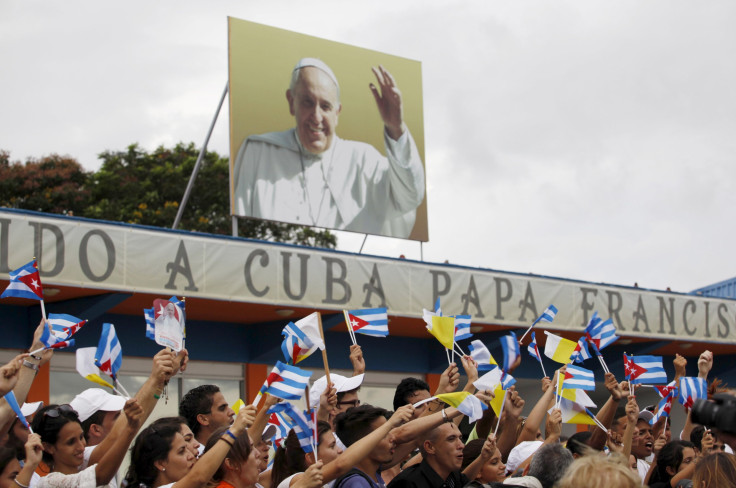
(600, 333)
(534, 352)
(25, 282)
(468, 404)
(558, 348)
(86, 366)
(644, 369)
(109, 354)
(301, 339)
(510, 351)
(493, 379)
(691, 389)
(13, 403)
(462, 327)
(301, 424)
(369, 321)
(547, 316)
(581, 352)
(481, 355)
(578, 378)
(285, 382)
(663, 408)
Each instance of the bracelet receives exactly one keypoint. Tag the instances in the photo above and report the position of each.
(444, 416)
(19, 483)
(30, 365)
(231, 434)
(157, 397)
(37, 358)
(222, 438)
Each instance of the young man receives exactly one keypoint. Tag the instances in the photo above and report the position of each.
(205, 410)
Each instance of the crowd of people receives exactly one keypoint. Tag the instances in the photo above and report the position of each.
(432, 445)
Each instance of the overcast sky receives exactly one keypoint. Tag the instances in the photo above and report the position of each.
(584, 139)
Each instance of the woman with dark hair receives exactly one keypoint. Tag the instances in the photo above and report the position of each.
(493, 470)
(291, 463)
(716, 471)
(63, 447)
(239, 469)
(12, 474)
(161, 457)
(674, 462)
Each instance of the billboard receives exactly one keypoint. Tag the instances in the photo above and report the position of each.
(325, 134)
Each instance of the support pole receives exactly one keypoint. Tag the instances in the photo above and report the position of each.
(202, 152)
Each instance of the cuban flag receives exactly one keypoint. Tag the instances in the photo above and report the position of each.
(481, 355)
(665, 390)
(578, 378)
(493, 379)
(533, 349)
(286, 382)
(109, 354)
(663, 408)
(369, 321)
(301, 339)
(600, 333)
(148, 314)
(581, 352)
(691, 389)
(437, 307)
(644, 369)
(60, 328)
(548, 315)
(283, 426)
(13, 403)
(511, 351)
(462, 327)
(25, 282)
(302, 424)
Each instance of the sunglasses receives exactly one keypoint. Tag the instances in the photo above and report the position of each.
(352, 403)
(60, 410)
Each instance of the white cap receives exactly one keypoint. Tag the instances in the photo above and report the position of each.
(321, 65)
(342, 384)
(29, 409)
(269, 432)
(521, 453)
(93, 399)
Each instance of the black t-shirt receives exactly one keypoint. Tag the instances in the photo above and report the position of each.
(423, 476)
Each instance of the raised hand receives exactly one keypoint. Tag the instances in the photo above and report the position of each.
(402, 415)
(705, 363)
(388, 100)
(471, 368)
(245, 418)
(133, 414)
(449, 379)
(9, 374)
(356, 359)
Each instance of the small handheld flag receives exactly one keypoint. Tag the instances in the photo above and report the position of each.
(663, 408)
(691, 389)
(302, 424)
(462, 327)
(534, 352)
(548, 315)
(283, 426)
(581, 352)
(644, 369)
(25, 282)
(578, 378)
(510, 351)
(369, 321)
(109, 354)
(481, 355)
(468, 404)
(87, 369)
(148, 314)
(285, 382)
(493, 379)
(301, 339)
(13, 403)
(600, 333)
(558, 348)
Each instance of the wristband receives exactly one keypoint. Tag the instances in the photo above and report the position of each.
(231, 434)
(30, 365)
(37, 358)
(223, 438)
(19, 483)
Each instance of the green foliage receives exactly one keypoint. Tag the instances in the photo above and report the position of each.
(142, 188)
(54, 184)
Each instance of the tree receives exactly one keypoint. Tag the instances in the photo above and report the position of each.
(54, 184)
(137, 187)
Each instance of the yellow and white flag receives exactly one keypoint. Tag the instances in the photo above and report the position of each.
(86, 366)
(558, 348)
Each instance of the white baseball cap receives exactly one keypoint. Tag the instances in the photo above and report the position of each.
(29, 409)
(92, 400)
(342, 384)
(520, 453)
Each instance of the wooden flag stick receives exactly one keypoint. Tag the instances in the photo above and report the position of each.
(324, 351)
(350, 327)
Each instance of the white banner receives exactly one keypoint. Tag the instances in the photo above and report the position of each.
(79, 252)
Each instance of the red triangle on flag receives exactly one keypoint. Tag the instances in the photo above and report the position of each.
(568, 375)
(273, 419)
(33, 282)
(356, 322)
(273, 377)
(635, 370)
(295, 353)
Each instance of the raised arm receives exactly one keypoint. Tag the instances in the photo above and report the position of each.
(538, 413)
(388, 100)
(255, 432)
(147, 396)
(357, 360)
(113, 457)
(208, 463)
(632, 415)
(607, 412)
(509, 420)
(486, 452)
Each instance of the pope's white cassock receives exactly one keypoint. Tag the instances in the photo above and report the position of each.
(351, 186)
